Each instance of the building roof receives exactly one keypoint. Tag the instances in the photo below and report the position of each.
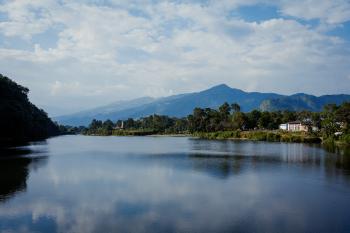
(295, 122)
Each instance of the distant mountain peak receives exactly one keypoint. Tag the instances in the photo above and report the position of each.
(300, 95)
(183, 104)
(220, 86)
(220, 89)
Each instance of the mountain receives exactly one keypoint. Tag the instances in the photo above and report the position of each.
(176, 105)
(102, 113)
(301, 101)
(183, 104)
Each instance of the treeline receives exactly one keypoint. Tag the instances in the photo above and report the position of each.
(229, 117)
(332, 122)
(154, 124)
(20, 120)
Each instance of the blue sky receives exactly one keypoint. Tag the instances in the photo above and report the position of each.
(79, 54)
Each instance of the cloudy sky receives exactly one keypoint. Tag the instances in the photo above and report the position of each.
(79, 54)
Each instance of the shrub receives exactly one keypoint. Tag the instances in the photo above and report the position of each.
(345, 138)
(273, 137)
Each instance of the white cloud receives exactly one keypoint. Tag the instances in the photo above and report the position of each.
(64, 88)
(26, 17)
(108, 52)
(329, 11)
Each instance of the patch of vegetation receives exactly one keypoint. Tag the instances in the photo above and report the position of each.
(344, 139)
(20, 120)
(228, 122)
(270, 136)
(133, 132)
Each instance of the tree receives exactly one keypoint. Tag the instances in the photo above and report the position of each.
(225, 110)
(95, 124)
(342, 115)
(316, 119)
(199, 119)
(108, 125)
(239, 120)
(181, 125)
(235, 107)
(20, 120)
(252, 119)
(264, 120)
(288, 116)
(129, 123)
(328, 123)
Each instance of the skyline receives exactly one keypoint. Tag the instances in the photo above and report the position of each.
(81, 54)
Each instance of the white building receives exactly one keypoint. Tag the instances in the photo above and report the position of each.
(284, 126)
(294, 126)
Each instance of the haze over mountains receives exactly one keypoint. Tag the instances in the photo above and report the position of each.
(183, 104)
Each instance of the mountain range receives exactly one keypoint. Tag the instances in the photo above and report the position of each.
(183, 104)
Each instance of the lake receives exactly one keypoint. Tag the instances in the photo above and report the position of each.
(172, 184)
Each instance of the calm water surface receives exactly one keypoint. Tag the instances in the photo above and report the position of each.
(171, 184)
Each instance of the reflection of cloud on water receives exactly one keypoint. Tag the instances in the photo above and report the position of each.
(104, 196)
(239, 155)
(177, 192)
(113, 196)
(138, 207)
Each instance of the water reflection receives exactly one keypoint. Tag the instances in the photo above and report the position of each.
(96, 184)
(15, 166)
(229, 157)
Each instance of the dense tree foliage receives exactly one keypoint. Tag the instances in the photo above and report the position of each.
(153, 124)
(20, 120)
(229, 117)
(67, 129)
(333, 121)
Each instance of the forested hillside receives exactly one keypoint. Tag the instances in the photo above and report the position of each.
(302, 102)
(20, 120)
(183, 104)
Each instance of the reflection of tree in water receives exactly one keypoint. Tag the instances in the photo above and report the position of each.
(225, 165)
(337, 166)
(14, 171)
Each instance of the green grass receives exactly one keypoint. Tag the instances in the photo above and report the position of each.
(344, 139)
(144, 132)
(133, 132)
(218, 135)
(260, 135)
(256, 135)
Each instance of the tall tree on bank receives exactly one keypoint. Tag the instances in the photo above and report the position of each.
(20, 120)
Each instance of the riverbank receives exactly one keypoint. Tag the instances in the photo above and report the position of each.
(138, 133)
(332, 144)
(254, 135)
(269, 136)
(272, 136)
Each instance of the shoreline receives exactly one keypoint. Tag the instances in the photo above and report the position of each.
(253, 135)
(256, 135)
(166, 135)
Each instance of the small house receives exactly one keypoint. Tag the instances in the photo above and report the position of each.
(294, 126)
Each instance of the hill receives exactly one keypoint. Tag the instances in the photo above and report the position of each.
(20, 120)
(183, 104)
(301, 101)
(104, 112)
(177, 105)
